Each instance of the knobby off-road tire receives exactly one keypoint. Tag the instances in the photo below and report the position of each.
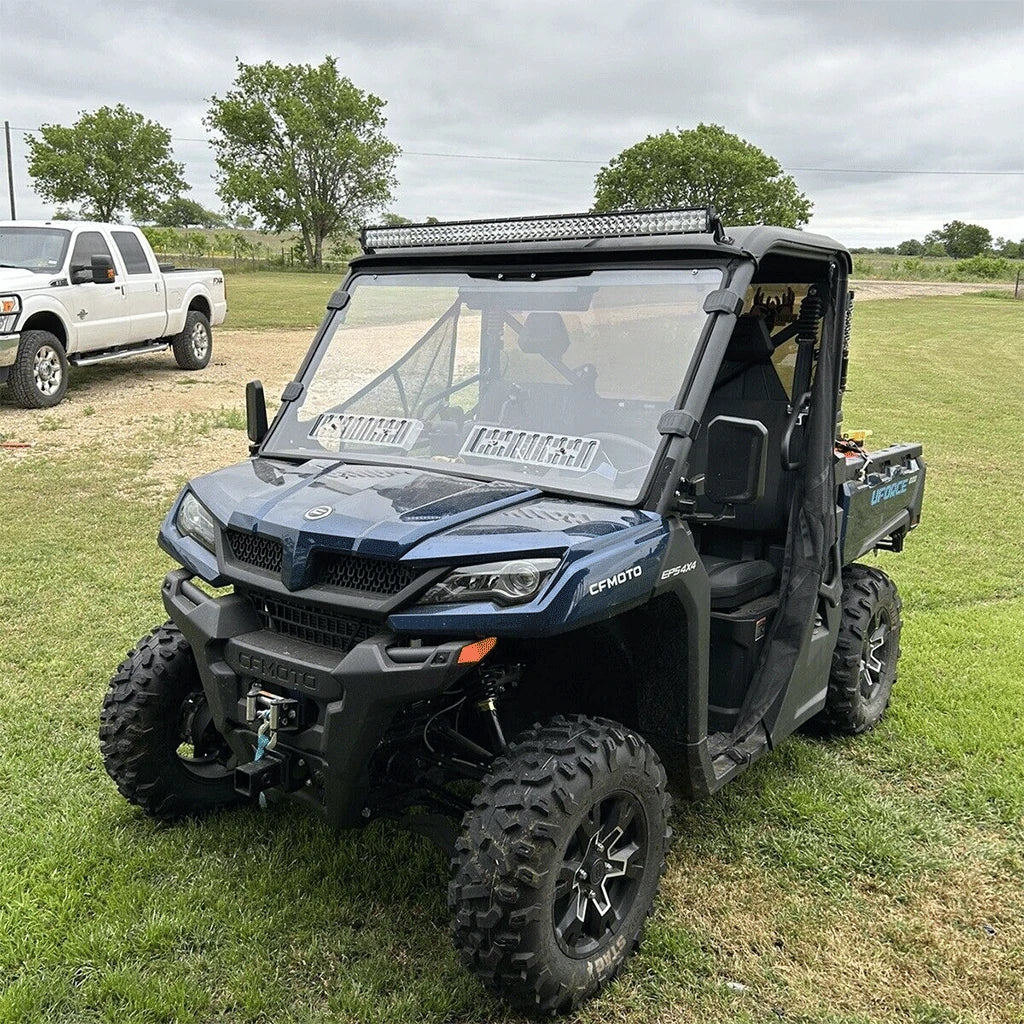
(868, 648)
(194, 346)
(153, 706)
(39, 377)
(572, 820)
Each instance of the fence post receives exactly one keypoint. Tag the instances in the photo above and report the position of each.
(1016, 287)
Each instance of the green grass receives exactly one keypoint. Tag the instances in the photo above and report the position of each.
(852, 882)
(277, 299)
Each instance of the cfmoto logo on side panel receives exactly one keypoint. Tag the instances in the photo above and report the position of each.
(634, 572)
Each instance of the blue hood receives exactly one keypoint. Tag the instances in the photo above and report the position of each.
(392, 512)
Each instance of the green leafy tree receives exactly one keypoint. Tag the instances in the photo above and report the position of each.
(1008, 248)
(180, 212)
(301, 146)
(109, 161)
(911, 247)
(961, 240)
(702, 166)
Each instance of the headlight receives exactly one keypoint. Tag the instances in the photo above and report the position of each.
(502, 582)
(10, 307)
(196, 522)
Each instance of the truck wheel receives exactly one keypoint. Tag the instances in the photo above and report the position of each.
(558, 862)
(39, 376)
(194, 346)
(157, 737)
(864, 661)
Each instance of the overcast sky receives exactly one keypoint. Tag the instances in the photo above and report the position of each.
(854, 87)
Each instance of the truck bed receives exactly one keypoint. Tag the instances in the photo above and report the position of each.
(880, 496)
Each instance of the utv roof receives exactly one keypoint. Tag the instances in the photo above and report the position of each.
(682, 231)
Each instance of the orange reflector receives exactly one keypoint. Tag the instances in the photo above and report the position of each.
(472, 653)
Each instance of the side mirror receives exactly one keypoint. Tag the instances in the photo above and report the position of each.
(255, 414)
(102, 270)
(737, 456)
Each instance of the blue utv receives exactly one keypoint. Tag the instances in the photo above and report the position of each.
(553, 506)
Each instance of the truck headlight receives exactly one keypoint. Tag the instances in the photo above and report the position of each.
(195, 521)
(512, 582)
(10, 308)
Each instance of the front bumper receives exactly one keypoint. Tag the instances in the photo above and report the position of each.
(351, 697)
(8, 352)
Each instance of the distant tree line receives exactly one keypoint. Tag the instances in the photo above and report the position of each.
(959, 240)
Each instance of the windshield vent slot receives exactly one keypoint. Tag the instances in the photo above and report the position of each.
(333, 429)
(255, 549)
(531, 447)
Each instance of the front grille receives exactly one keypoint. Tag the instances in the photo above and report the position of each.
(365, 575)
(255, 549)
(314, 624)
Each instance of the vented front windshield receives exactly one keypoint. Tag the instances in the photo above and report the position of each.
(556, 382)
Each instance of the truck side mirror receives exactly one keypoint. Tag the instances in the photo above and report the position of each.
(255, 414)
(737, 456)
(102, 270)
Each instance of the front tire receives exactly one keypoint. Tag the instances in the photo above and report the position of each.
(559, 861)
(159, 743)
(39, 376)
(867, 650)
(193, 347)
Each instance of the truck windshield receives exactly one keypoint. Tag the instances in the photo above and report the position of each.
(557, 382)
(40, 250)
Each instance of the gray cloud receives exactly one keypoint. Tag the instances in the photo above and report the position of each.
(890, 85)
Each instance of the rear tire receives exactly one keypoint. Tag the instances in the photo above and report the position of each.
(559, 861)
(868, 648)
(158, 741)
(39, 377)
(194, 345)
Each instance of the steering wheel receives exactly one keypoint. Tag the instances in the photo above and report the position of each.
(632, 453)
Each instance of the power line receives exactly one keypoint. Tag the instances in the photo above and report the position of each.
(601, 163)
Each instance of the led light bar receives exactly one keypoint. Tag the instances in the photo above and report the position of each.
(626, 224)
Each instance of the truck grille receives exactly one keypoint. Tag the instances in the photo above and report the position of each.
(366, 575)
(314, 624)
(255, 549)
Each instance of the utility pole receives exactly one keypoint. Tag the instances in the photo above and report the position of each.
(10, 167)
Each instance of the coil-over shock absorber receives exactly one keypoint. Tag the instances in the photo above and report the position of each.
(494, 681)
(812, 309)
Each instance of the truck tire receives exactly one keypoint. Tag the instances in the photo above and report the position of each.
(154, 710)
(868, 648)
(559, 861)
(39, 376)
(194, 345)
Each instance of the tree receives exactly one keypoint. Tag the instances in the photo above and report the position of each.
(961, 240)
(301, 146)
(702, 166)
(109, 161)
(187, 213)
(1008, 248)
(911, 247)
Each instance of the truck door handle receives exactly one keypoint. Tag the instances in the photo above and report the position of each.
(795, 417)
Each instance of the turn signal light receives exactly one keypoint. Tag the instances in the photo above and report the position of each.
(472, 653)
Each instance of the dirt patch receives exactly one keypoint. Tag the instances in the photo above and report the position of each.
(125, 406)
(867, 289)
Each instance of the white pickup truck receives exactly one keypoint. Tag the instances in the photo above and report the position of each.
(79, 293)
